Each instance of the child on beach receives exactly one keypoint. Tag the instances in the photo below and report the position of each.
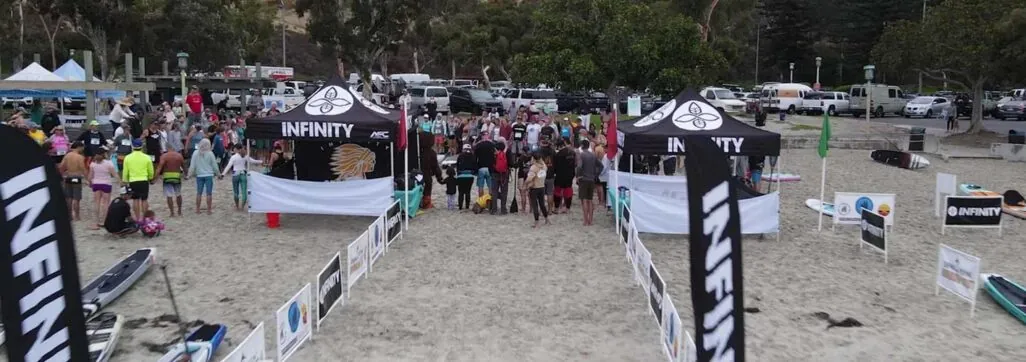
(150, 226)
(450, 188)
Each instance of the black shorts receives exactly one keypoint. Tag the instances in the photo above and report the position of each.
(586, 189)
(140, 190)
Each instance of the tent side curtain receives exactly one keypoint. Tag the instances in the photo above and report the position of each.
(662, 131)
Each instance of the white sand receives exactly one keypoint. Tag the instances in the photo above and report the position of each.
(465, 287)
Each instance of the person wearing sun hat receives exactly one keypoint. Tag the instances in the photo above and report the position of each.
(93, 139)
(121, 111)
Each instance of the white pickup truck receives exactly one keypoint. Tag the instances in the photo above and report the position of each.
(285, 98)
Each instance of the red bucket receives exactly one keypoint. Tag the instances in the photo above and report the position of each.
(273, 220)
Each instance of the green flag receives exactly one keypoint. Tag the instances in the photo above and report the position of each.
(824, 136)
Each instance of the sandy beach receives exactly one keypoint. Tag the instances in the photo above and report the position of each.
(464, 287)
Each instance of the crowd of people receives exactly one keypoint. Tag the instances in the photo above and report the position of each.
(541, 157)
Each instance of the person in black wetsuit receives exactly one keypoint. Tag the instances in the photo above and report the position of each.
(119, 216)
(152, 139)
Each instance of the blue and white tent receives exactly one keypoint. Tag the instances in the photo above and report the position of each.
(36, 73)
(71, 71)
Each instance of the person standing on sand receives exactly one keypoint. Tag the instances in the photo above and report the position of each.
(138, 174)
(564, 168)
(171, 169)
(73, 169)
(101, 178)
(588, 169)
(204, 167)
(466, 167)
(239, 166)
(536, 184)
(429, 166)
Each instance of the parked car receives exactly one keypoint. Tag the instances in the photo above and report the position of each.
(576, 101)
(1014, 109)
(927, 107)
(17, 102)
(832, 103)
(882, 98)
(473, 101)
(234, 97)
(420, 95)
(544, 99)
(723, 99)
(783, 96)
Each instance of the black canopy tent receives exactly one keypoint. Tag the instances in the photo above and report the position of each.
(662, 132)
(334, 112)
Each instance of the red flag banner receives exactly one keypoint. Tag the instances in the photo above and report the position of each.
(611, 138)
(401, 139)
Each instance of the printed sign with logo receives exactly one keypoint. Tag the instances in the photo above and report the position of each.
(632, 245)
(656, 291)
(673, 341)
(972, 212)
(251, 349)
(329, 288)
(393, 222)
(376, 232)
(874, 231)
(625, 222)
(848, 207)
(356, 254)
(958, 273)
(634, 106)
(295, 323)
(946, 186)
(642, 264)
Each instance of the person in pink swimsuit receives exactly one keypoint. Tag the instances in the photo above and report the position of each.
(101, 176)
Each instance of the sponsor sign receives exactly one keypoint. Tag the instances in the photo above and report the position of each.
(958, 273)
(251, 349)
(632, 244)
(642, 263)
(690, 352)
(39, 282)
(656, 291)
(673, 334)
(356, 256)
(379, 135)
(873, 232)
(295, 323)
(634, 106)
(376, 233)
(310, 129)
(946, 186)
(625, 221)
(731, 145)
(393, 223)
(715, 238)
(848, 207)
(329, 288)
(972, 212)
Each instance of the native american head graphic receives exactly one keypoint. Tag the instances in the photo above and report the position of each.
(352, 162)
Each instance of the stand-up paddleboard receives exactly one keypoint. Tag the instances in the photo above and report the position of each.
(115, 281)
(828, 208)
(200, 345)
(783, 177)
(1007, 293)
(103, 332)
(900, 159)
(1017, 208)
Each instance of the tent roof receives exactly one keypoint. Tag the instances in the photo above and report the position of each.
(35, 73)
(333, 112)
(72, 71)
(661, 132)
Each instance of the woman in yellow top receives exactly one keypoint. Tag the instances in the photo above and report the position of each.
(536, 184)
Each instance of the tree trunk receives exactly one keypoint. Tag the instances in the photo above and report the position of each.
(365, 77)
(340, 67)
(21, 36)
(383, 64)
(452, 65)
(52, 36)
(416, 61)
(613, 95)
(484, 75)
(505, 74)
(976, 121)
(707, 19)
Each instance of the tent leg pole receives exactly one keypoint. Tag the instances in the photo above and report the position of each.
(249, 215)
(780, 195)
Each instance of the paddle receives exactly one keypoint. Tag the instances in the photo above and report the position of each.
(181, 327)
(513, 208)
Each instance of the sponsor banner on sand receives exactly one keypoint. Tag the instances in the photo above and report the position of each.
(873, 232)
(295, 323)
(848, 207)
(947, 185)
(376, 233)
(39, 281)
(251, 349)
(656, 291)
(972, 212)
(625, 223)
(958, 273)
(642, 263)
(673, 334)
(393, 222)
(356, 255)
(717, 293)
(329, 288)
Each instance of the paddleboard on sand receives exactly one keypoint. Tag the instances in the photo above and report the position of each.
(115, 281)
(900, 159)
(1013, 205)
(828, 208)
(103, 331)
(1007, 293)
(783, 177)
(200, 345)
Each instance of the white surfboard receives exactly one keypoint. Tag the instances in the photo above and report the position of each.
(827, 208)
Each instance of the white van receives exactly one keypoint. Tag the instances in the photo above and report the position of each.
(883, 99)
(410, 78)
(784, 96)
(421, 95)
(724, 100)
(544, 99)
